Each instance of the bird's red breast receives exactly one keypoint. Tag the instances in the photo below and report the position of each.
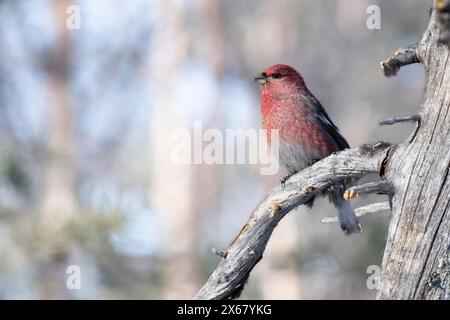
(296, 126)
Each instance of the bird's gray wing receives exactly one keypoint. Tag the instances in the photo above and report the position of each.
(322, 116)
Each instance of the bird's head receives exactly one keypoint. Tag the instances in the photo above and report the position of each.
(280, 79)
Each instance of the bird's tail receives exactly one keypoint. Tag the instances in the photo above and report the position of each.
(347, 218)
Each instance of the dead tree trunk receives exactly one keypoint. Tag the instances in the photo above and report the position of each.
(416, 263)
(416, 177)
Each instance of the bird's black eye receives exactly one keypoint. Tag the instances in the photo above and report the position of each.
(277, 75)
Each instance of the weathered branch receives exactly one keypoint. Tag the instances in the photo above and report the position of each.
(414, 118)
(381, 187)
(394, 120)
(400, 58)
(247, 249)
(378, 207)
(220, 252)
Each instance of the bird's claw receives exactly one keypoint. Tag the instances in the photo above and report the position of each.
(283, 181)
(285, 178)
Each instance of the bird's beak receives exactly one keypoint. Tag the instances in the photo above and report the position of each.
(262, 79)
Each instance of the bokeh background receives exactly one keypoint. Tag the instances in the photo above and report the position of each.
(86, 117)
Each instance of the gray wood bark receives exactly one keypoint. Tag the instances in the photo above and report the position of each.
(416, 263)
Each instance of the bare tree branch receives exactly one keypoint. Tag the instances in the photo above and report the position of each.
(414, 118)
(378, 207)
(400, 58)
(247, 249)
(381, 187)
(394, 120)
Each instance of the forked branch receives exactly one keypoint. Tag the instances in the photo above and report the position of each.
(373, 208)
(380, 187)
(238, 260)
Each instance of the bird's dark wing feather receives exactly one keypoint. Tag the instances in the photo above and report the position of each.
(321, 115)
(329, 126)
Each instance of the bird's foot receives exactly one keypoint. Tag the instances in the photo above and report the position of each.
(285, 178)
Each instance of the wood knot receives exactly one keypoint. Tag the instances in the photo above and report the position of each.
(350, 194)
(388, 68)
(310, 189)
(371, 149)
(275, 207)
(220, 252)
(442, 5)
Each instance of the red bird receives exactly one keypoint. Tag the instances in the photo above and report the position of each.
(306, 132)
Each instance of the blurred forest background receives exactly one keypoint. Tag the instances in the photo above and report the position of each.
(86, 117)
